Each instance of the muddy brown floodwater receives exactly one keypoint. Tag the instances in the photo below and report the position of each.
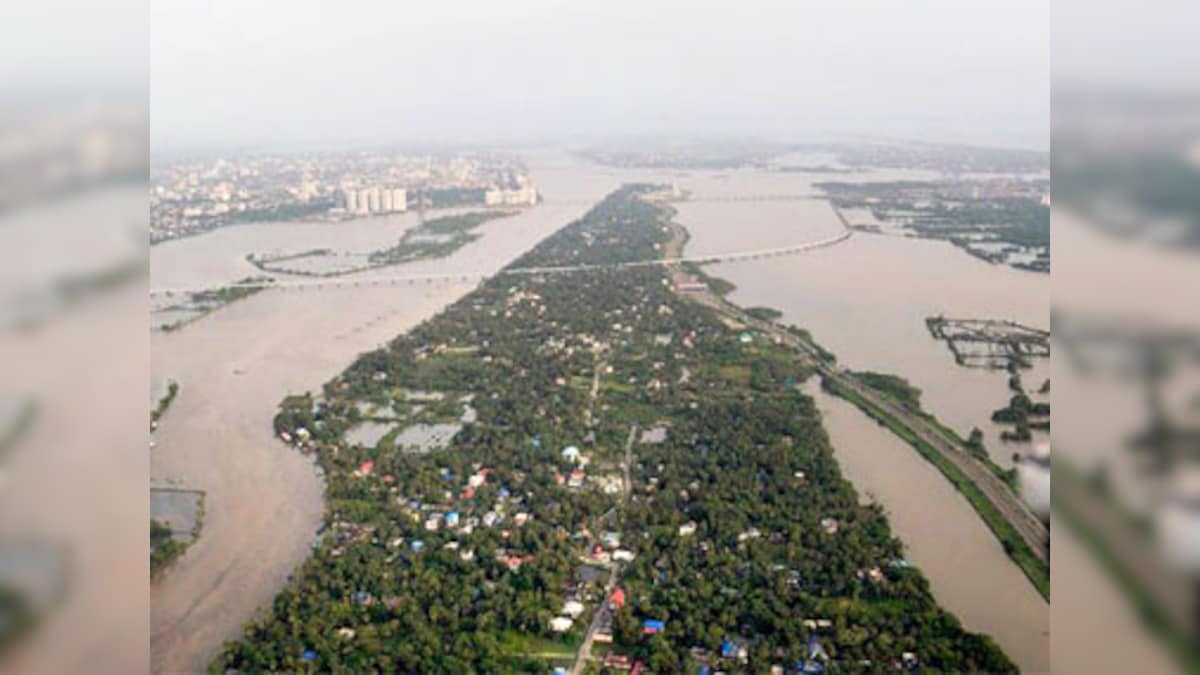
(968, 570)
(263, 499)
(865, 299)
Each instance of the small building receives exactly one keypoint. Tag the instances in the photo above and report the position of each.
(687, 529)
(570, 453)
(451, 519)
(572, 608)
(561, 624)
(624, 555)
(653, 626)
(616, 599)
(734, 650)
(752, 533)
(618, 661)
(830, 525)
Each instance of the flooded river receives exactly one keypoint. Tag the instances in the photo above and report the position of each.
(865, 299)
(968, 570)
(263, 499)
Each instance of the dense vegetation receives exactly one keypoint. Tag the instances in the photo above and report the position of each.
(436, 238)
(898, 388)
(457, 560)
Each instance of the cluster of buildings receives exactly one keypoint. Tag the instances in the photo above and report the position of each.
(365, 201)
(192, 195)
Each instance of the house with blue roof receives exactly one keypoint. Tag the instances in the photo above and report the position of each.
(652, 626)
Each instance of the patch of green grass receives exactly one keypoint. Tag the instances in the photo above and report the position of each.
(524, 644)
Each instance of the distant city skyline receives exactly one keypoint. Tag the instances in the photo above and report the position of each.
(471, 73)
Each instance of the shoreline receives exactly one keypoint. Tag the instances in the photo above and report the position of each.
(265, 500)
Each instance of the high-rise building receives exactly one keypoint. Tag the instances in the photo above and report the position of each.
(399, 199)
(364, 200)
(373, 200)
(385, 201)
(351, 200)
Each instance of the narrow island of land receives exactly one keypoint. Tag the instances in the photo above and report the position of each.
(631, 479)
(198, 304)
(433, 239)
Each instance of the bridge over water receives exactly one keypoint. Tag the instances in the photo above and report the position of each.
(468, 277)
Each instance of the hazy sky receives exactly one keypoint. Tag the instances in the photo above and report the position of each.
(274, 73)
